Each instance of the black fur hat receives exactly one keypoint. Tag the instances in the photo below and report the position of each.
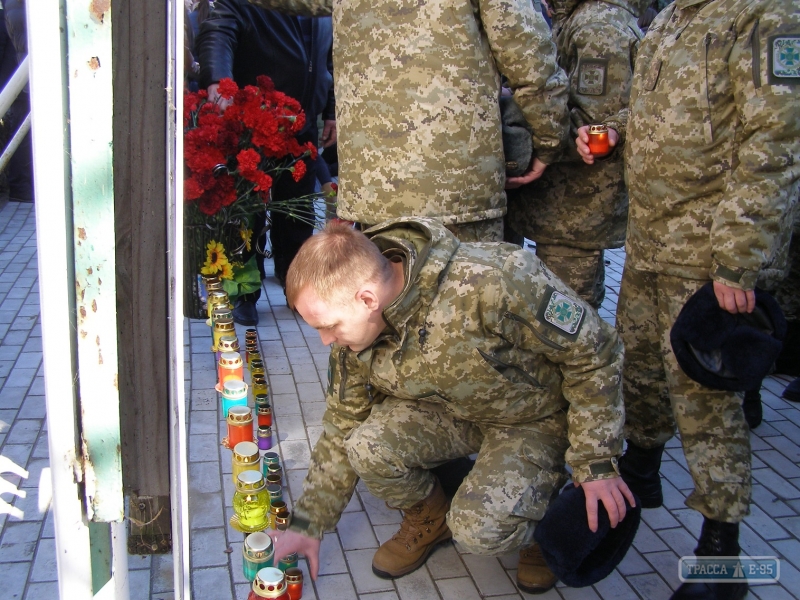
(577, 556)
(725, 351)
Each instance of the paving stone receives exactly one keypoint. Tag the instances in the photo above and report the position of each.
(650, 586)
(311, 392)
(646, 540)
(446, 563)
(772, 592)
(785, 446)
(417, 585)
(360, 566)
(659, 518)
(291, 427)
(203, 421)
(19, 541)
(335, 586)
(770, 479)
(331, 557)
(24, 431)
(378, 512)
(205, 510)
(47, 589)
(461, 588)
(677, 475)
(44, 565)
(33, 407)
(296, 454)
(770, 503)
(615, 587)
(15, 575)
(355, 532)
(204, 477)
(488, 574)
(764, 525)
(284, 404)
(790, 549)
(377, 596)
(211, 584)
(313, 411)
(679, 540)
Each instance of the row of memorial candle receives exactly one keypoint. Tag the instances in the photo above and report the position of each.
(258, 500)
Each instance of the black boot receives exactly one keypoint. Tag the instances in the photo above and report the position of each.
(792, 391)
(716, 539)
(639, 469)
(751, 405)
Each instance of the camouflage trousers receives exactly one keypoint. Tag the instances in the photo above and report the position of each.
(658, 395)
(582, 270)
(517, 473)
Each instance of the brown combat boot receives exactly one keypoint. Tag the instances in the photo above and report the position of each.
(533, 574)
(423, 527)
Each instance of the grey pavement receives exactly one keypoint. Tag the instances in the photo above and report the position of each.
(296, 363)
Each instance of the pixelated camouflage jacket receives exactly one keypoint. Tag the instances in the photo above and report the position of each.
(489, 332)
(713, 140)
(575, 204)
(417, 89)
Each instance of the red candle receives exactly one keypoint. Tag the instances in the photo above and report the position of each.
(598, 140)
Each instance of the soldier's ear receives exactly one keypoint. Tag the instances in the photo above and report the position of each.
(367, 295)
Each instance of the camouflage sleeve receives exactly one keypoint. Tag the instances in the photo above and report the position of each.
(765, 168)
(523, 48)
(309, 8)
(331, 480)
(588, 352)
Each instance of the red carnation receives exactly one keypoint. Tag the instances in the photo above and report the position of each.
(299, 170)
(227, 88)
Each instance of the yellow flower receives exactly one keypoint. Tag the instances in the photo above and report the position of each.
(226, 272)
(246, 235)
(215, 258)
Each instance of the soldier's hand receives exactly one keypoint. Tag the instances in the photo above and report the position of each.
(582, 143)
(286, 542)
(328, 133)
(213, 96)
(536, 171)
(612, 493)
(733, 299)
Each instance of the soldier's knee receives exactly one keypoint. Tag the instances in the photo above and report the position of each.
(477, 536)
(365, 453)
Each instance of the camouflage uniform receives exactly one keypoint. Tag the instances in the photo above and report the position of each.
(713, 160)
(576, 210)
(485, 351)
(416, 88)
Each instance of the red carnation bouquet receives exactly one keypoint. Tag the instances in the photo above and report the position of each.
(233, 150)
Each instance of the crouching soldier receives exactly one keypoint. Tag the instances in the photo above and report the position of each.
(443, 349)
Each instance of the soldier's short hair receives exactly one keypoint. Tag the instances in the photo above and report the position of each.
(334, 262)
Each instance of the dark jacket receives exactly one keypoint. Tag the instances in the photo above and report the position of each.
(242, 41)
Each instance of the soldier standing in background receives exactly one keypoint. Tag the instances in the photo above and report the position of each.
(443, 349)
(417, 87)
(575, 211)
(713, 161)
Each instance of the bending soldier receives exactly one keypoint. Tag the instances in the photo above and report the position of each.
(444, 349)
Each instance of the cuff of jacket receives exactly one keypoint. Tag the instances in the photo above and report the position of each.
(301, 523)
(547, 156)
(742, 279)
(601, 469)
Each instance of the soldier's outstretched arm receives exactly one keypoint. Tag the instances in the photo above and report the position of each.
(287, 542)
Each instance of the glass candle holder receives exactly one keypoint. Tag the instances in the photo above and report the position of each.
(234, 393)
(250, 503)
(250, 348)
(229, 366)
(282, 521)
(250, 334)
(273, 479)
(257, 553)
(245, 458)
(223, 327)
(598, 140)
(263, 411)
(275, 492)
(254, 354)
(269, 583)
(220, 311)
(288, 562)
(294, 583)
(228, 343)
(215, 298)
(240, 426)
(264, 438)
(272, 458)
(257, 367)
(279, 506)
(260, 387)
(274, 469)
